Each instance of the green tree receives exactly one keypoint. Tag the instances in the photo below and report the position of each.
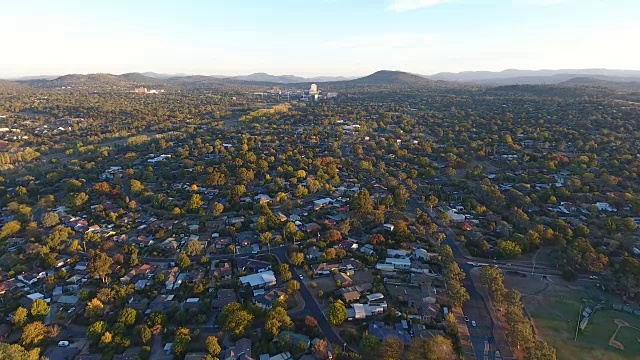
(235, 319)
(456, 294)
(193, 247)
(183, 261)
(337, 313)
(492, 279)
(20, 317)
(216, 178)
(506, 249)
(39, 308)
(277, 318)
(145, 334)
(17, 352)
(293, 286)
(77, 201)
(99, 265)
(33, 333)
(50, 219)
(540, 350)
(435, 348)
(94, 309)
(96, 330)
(370, 346)
(10, 228)
(296, 258)
(432, 201)
(391, 348)
(127, 316)
(181, 341)
(195, 203)
(213, 347)
(361, 203)
(217, 209)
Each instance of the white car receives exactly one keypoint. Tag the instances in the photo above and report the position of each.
(71, 310)
(473, 323)
(63, 343)
(593, 277)
(301, 277)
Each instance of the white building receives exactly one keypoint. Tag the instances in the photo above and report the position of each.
(259, 280)
(313, 90)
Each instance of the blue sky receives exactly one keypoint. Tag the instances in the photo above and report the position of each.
(321, 37)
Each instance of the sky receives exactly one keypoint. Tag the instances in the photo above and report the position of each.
(315, 37)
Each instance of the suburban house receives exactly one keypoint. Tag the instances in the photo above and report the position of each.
(324, 269)
(266, 300)
(252, 265)
(259, 280)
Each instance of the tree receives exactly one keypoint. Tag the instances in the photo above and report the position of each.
(216, 178)
(213, 347)
(296, 258)
(183, 261)
(33, 333)
(235, 319)
(10, 228)
(94, 309)
(195, 203)
(391, 348)
(310, 322)
(435, 348)
(50, 219)
(370, 346)
(145, 333)
(284, 272)
(293, 286)
(237, 191)
(17, 352)
(540, 350)
(135, 186)
(217, 209)
(181, 341)
(77, 201)
(508, 249)
(337, 313)
(376, 239)
(456, 294)
(95, 331)
(432, 201)
(39, 308)
(276, 319)
(333, 235)
(99, 265)
(361, 203)
(193, 247)
(20, 317)
(127, 316)
(320, 349)
(400, 197)
(492, 279)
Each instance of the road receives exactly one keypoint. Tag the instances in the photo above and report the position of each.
(311, 305)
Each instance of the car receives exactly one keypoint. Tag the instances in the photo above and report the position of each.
(466, 318)
(63, 343)
(473, 323)
(301, 277)
(71, 310)
(593, 277)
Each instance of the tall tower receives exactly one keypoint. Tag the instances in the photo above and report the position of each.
(313, 89)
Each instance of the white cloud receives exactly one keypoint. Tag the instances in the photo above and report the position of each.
(408, 5)
(394, 40)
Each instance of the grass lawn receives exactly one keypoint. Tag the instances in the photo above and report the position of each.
(554, 309)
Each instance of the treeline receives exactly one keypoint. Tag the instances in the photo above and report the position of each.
(520, 332)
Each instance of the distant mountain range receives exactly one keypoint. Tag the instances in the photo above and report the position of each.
(535, 77)
(628, 80)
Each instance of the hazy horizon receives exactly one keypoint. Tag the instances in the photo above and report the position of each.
(322, 38)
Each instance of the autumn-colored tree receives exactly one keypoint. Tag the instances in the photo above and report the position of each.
(33, 333)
